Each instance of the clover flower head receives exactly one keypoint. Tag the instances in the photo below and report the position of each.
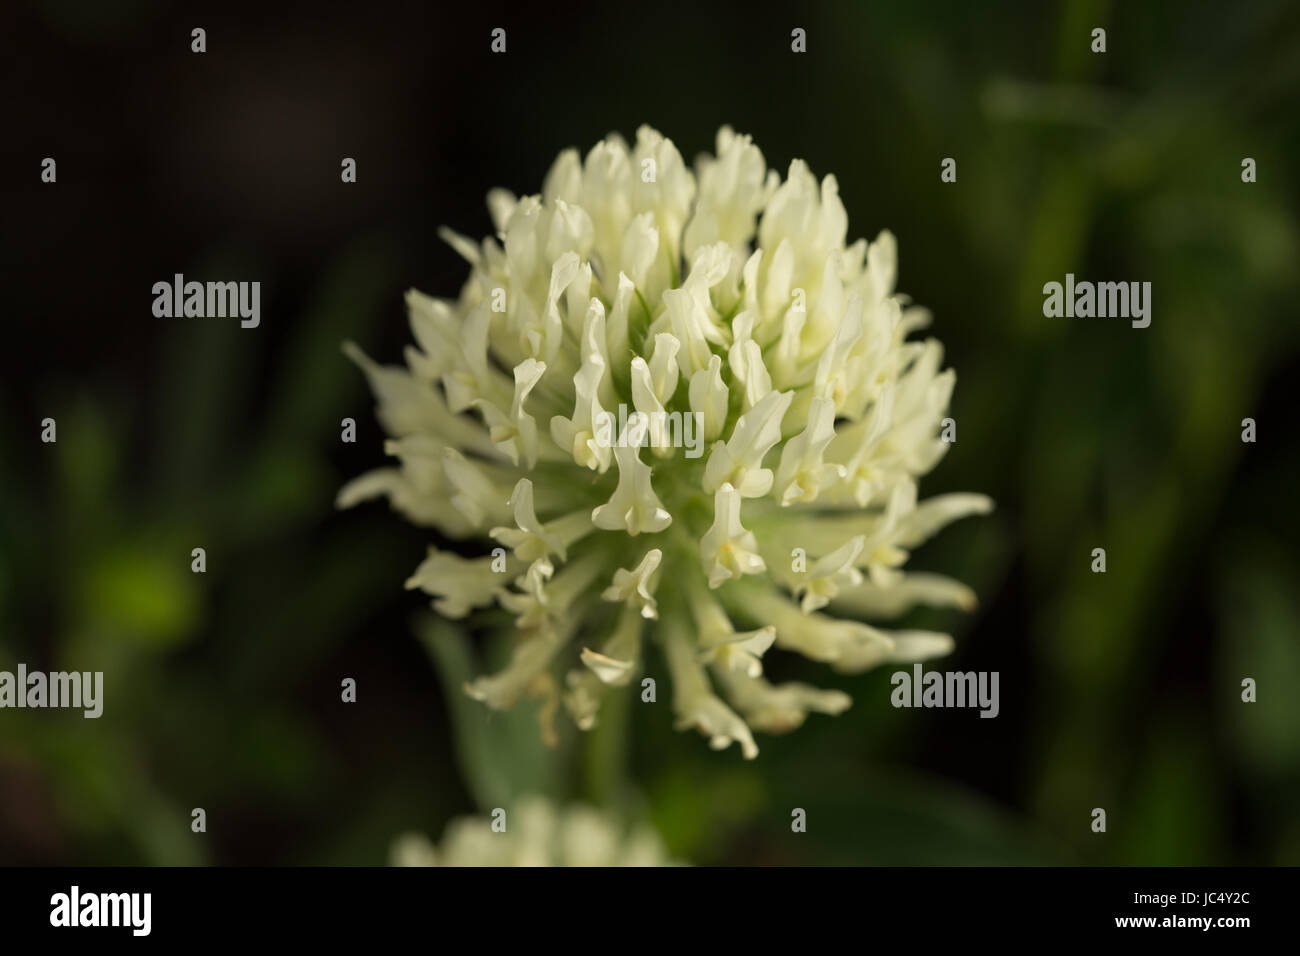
(536, 833)
(673, 405)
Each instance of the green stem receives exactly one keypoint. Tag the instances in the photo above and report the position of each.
(605, 749)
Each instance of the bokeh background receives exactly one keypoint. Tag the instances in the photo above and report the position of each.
(1119, 690)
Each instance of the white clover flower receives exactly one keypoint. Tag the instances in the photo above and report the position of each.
(536, 834)
(727, 298)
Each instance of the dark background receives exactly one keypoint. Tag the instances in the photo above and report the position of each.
(1119, 691)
